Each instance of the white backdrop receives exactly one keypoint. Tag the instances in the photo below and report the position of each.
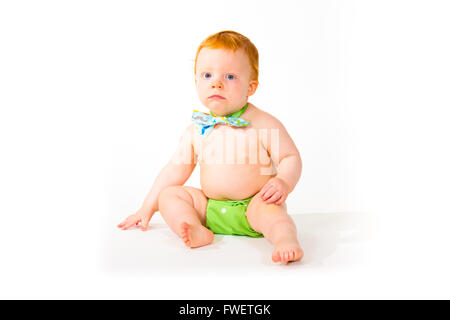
(95, 94)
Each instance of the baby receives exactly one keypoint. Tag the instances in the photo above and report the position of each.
(248, 162)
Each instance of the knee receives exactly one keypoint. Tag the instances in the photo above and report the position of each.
(274, 210)
(168, 193)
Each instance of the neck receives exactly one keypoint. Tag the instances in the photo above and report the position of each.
(236, 114)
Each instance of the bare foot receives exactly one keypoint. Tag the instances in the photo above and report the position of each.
(195, 235)
(286, 251)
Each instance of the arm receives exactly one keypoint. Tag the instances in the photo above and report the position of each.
(286, 158)
(171, 175)
(290, 170)
(175, 173)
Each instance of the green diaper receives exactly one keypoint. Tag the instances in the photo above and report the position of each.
(228, 217)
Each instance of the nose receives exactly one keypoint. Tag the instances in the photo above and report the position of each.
(216, 84)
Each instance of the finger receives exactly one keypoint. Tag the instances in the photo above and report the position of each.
(127, 226)
(281, 200)
(264, 189)
(130, 223)
(268, 193)
(276, 196)
(124, 222)
(120, 225)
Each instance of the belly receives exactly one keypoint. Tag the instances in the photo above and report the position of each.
(232, 182)
(234, 165)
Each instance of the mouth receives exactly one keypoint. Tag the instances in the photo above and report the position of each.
(216, 96)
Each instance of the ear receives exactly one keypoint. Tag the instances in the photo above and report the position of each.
(252, 86)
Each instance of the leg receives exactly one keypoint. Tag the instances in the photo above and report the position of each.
(184, 210)
(277, 227)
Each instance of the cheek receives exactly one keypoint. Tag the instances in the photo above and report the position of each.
(237, 87)
(201, 88)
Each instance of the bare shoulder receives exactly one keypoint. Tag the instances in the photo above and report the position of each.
(185, 153)
(189, 130)
(187, 135)
(263, 120)
(274, 132)
(193, 138)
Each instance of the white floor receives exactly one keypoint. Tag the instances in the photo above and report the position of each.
(241, 267)
(347, 256)
(329, 240)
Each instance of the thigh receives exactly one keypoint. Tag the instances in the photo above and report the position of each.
(260, 214)
(199, 202)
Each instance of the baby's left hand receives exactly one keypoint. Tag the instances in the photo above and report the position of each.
(275, 190)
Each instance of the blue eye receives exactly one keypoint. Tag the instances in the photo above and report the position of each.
(230, 77)
(207, 75)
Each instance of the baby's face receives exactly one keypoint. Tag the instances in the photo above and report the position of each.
(223, 80)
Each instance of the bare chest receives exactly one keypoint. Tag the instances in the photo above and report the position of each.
(233, 146)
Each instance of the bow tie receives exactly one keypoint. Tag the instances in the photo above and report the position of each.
(205, 122)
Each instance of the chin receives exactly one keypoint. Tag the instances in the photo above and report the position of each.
(217, 108)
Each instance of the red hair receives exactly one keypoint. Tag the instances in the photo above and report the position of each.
(232, 40)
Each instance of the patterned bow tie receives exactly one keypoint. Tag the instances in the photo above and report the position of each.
(205, 122)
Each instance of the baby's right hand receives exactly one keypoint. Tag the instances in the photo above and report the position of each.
(142, 216)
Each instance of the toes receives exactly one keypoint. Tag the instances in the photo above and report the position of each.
(297, 254)
(283, 256)
(291, 255)
(185, 236)
(287, 255)
(276, 256)
(184, 226)
(187, 241)
(184, 229)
